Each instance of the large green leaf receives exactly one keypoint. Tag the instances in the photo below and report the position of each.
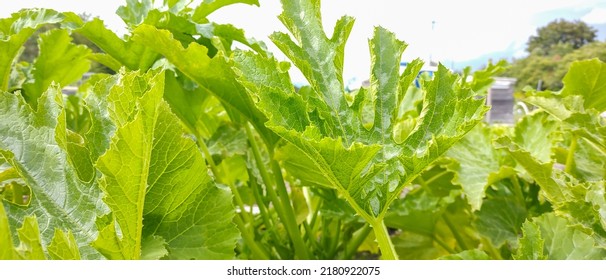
(582, 203)
(476, 164)
(29, 141)
(156, 182)
(215, 75)
(580, 102)
(588, 79)
(346, 142)
(60, 61)
(535, 133)
(15, 31)
(118, 52)
(501, 219)
(551, 237)
(319, 58)
(62, 246)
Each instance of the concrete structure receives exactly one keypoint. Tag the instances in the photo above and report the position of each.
(500, 98)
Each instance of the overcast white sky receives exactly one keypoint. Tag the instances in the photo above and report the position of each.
(464, 29)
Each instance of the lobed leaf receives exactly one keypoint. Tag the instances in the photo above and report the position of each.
(28, 142)
(582, 203)
(215, 75)
(129, 54)
(476, 164)
(153, 184)
(346, 142)
(551, 237)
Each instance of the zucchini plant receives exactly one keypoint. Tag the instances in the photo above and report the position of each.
(196, 149)
(367, 145)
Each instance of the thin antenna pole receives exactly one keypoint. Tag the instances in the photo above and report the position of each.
(433, 36)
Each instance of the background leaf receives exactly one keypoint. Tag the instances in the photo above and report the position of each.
(15, 31)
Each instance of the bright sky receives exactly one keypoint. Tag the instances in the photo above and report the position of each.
(464, 29)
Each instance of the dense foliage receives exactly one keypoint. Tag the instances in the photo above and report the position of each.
(197, 150)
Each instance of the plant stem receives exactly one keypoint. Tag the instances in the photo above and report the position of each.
(240, 203)
(289, 212)
(455, 232)
(570, 157)
(207, 155)
(259, 252)
(334, 244)
(282, 204)
(215, 171)
(491, 250)
(517, 189)
(356, 240)
(309, 237)
(435, 177)
(443, 245)
(388, 252)
(260, 203)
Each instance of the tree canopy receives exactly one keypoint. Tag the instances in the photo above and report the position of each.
(561, 32)
(552, 50)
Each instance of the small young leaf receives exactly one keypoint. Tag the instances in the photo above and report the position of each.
(7, 252)
(63, 246)
(531, 245)
(30, 247)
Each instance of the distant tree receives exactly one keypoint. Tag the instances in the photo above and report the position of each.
(550, 69)
(561, 32)
(532, 69)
